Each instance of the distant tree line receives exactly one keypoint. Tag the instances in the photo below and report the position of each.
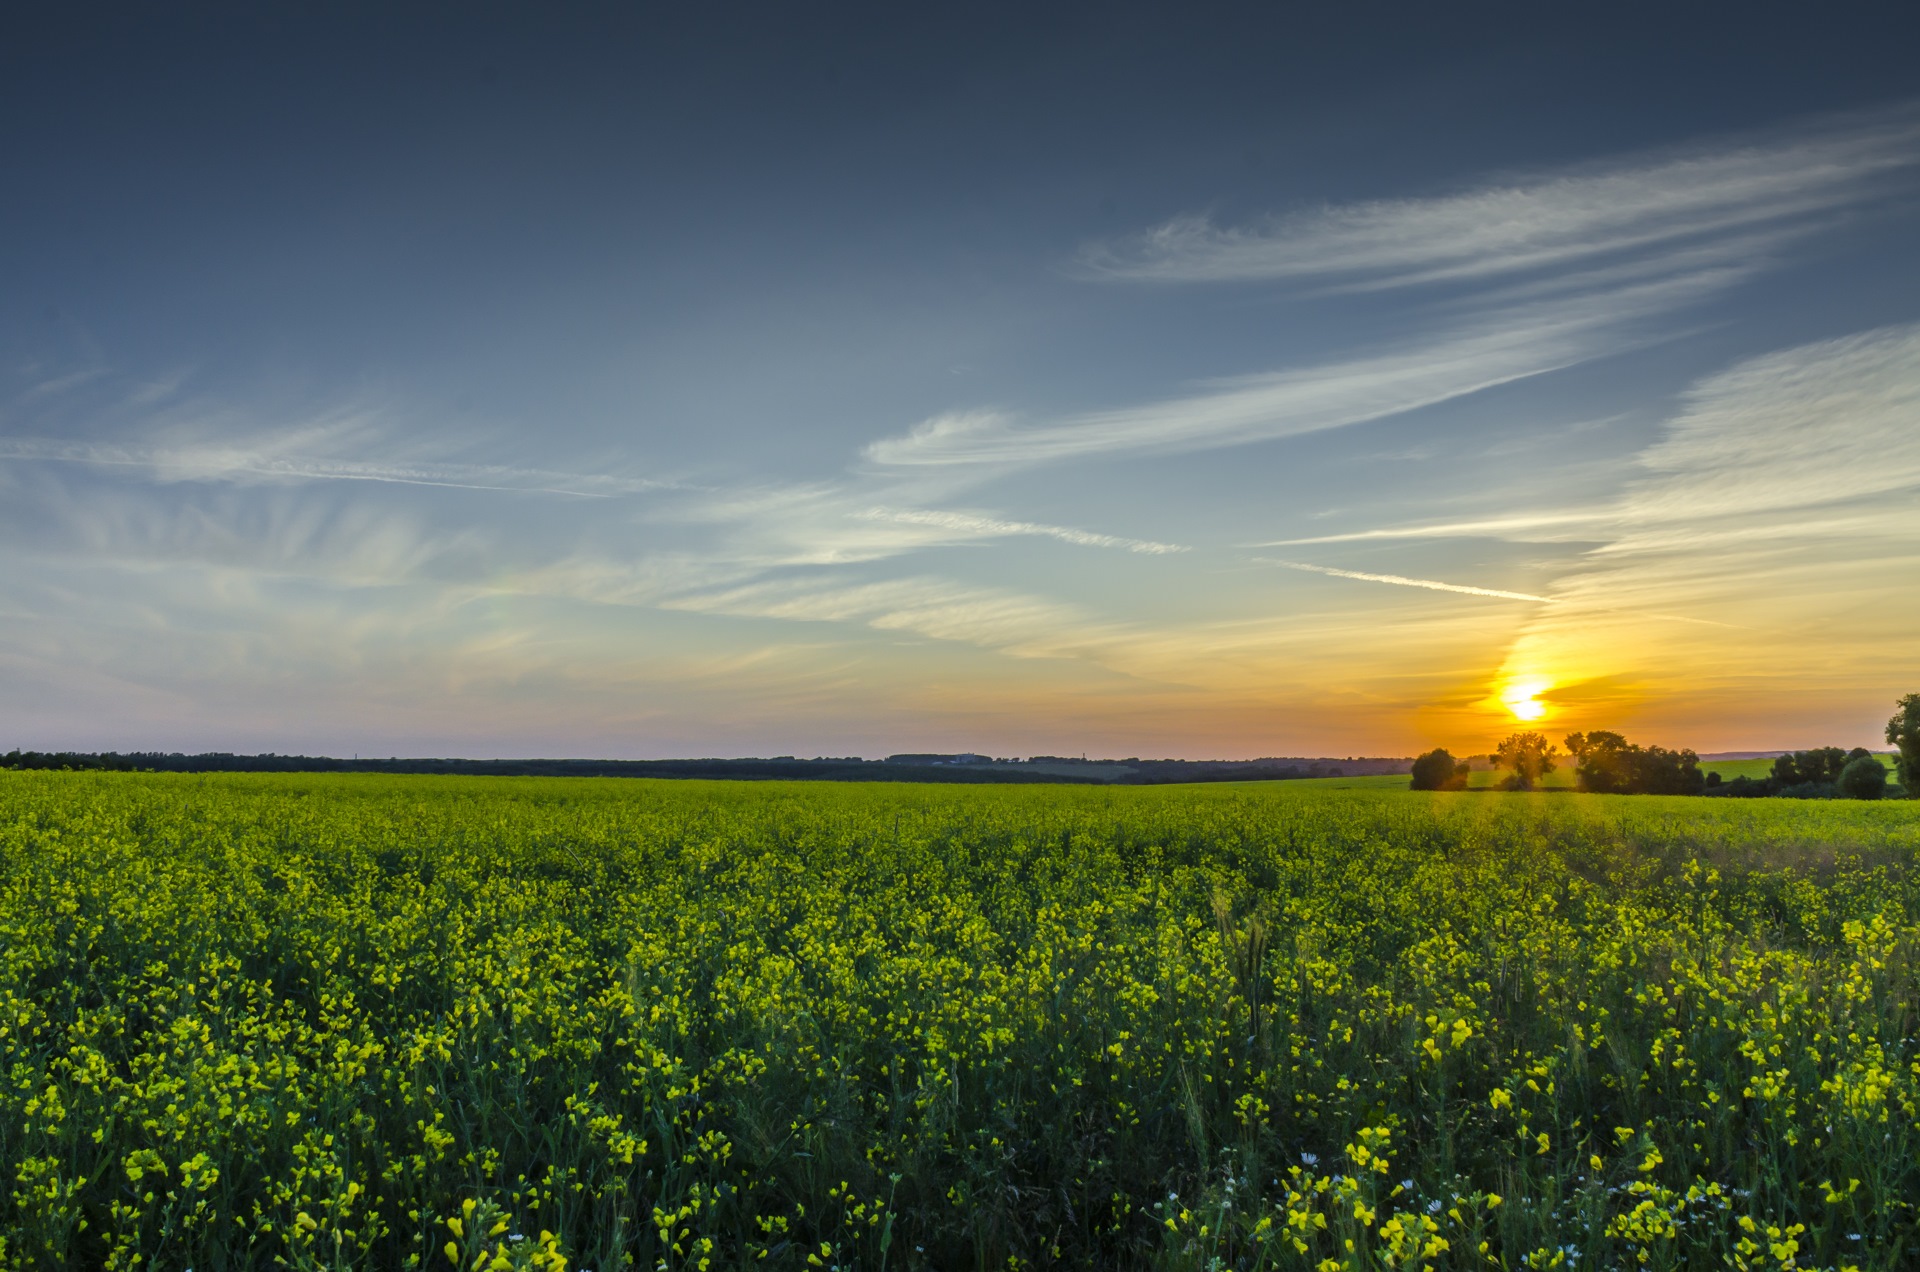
(927, 767)
(1606, 763)
(1168, 772)
(1826, 772)
(783, 768)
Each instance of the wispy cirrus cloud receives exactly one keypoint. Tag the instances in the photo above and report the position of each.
(1831, 421)
(1823, 424)
(253, 462)
(1551, 270)
(864, 518)
(150, 430)
(288, 534)
(1253, 408)
(936, 608)
(1775, 188)
(973, 526)
(1466, 356)
(719, 550)
(1752, 453)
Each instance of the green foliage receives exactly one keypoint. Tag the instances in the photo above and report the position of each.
(1528, 757)
(1903, 733)
(1739, 788)
(1805, 768)
(1437, 770)
(1814, 774)
(353, 1021)
(1606, 763)
(1864, 777)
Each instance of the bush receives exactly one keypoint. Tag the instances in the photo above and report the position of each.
(1740, 788)
(1821, 764)
(1863, 778)
(1805, 790)
(1438, 771)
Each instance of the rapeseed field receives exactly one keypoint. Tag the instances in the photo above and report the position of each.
(378, 1022)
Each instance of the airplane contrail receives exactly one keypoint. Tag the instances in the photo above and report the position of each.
(1435, 585)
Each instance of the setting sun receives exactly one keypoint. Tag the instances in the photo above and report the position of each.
(1522, 698)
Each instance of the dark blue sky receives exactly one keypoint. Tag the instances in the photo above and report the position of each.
(635, 380)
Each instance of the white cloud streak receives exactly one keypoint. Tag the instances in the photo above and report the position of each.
(287, 535)
(1434, 585)
(1832, 421)
(972, 526)
(218, 463)
(1508, 344)
(1779, 187)
(1753, 451)
(1399, 580)
(1568, 267)
(1255, 408)
(1522, 527)
(931, 607)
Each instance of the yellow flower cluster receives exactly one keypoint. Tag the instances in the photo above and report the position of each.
(330, 1022)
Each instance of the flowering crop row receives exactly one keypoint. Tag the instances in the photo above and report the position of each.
(379, 1022)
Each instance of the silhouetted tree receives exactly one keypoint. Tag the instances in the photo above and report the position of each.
(1659, 771)
(1903, 731)
(1437, 770)
(1529, 756)
(1803, 768)
(1603, 761)
(1864, 777)
(1607, 763)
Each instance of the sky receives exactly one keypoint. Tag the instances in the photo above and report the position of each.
(1200, 381)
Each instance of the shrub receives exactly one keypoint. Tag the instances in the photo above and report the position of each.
(1740, 788)
(1807, 790)
(1821, 764)
(1438, 771)
(1863, 778)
